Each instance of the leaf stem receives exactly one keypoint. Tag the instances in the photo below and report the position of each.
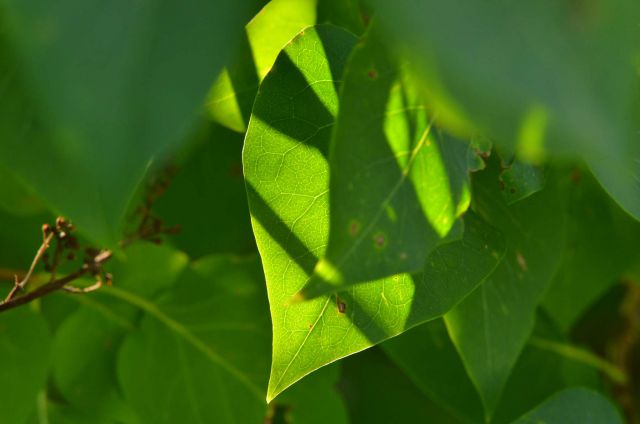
(583, 356)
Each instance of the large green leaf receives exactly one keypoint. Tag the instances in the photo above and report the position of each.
(286, 173)
(491, 326)
(397, 187)
(83, 356)
(92, 91)
(573, 406)
(24, 352)
(202, 350)
(15, 197)
(602, 243)
(429, 359)
(86, 343)
(207, 198)
(390, 397)
(231, 97)
(535, 75)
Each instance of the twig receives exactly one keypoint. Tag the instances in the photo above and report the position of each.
(150, 228)
(19, 284)
(87, 268)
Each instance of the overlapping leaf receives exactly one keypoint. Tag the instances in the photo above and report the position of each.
(491, 326)
(287, 181)
(92, 91)
(206, 197)
(397, 186)
(391, 397)
(429, 359)
(231, 97)
(535, 75)
(602, 242)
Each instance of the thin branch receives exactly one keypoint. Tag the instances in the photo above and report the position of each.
(87, 268)
(20, 284)
(149, 228)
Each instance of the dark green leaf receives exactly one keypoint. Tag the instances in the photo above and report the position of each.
(207, 198)
(491, 326)
(573, 406)
(602, 243)
(316, 399)
(93, 91)
(389, 397)
(535, 75)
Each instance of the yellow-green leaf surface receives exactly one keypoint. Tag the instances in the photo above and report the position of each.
(539, 76)
(491, 326)
(92, 91)
(231, 97)
(397, 185)
(287, 181)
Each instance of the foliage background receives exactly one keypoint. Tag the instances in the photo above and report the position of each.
(452, 186)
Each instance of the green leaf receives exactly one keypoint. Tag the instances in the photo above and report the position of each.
(21, 236)
(287, 187)
(231, 97)
(376, 391)
(389, 167)
(601, 244)
(16, 198)
(343, 13)
(51, 412)
(202, 349)
(491, 326)
(428, 358)
(315, 400)
(83, 356)
(573, 406)
(207, 198)
(538, 76)
(86, 343)
(25, 346)
(518, 179)
(94, 91)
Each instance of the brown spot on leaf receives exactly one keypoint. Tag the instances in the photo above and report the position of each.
(379, 240)
(522, 263)
(342, 307)
(354, 227)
